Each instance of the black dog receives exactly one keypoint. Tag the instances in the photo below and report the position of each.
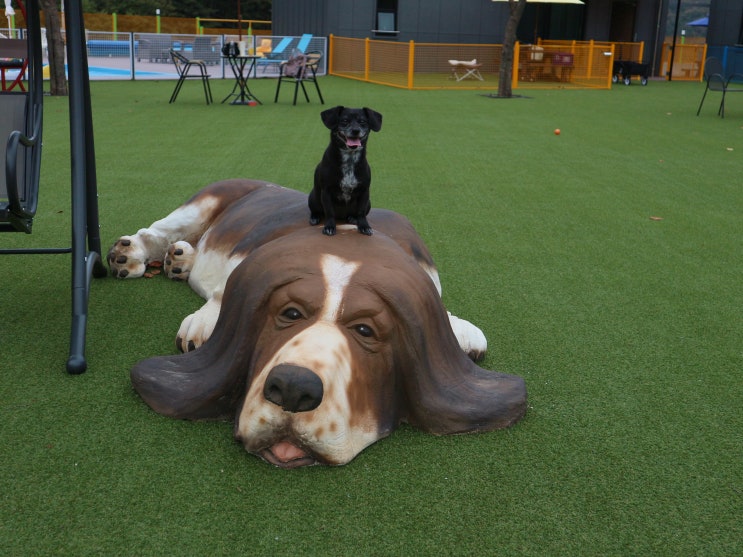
(343, 177)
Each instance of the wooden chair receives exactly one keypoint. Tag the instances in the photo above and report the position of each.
(21, 129)
(190, 69)
(303, 70)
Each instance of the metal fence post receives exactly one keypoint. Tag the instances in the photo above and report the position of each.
(366, 58)
(411, 64)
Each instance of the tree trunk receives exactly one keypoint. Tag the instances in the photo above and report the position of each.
(516, 8)
(56, 48)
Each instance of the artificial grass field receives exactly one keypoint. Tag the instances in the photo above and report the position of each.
(626, 328)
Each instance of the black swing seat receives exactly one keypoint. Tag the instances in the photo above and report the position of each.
(20, 128)
(20, 155)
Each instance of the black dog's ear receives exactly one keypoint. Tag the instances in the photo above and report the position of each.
(330, 117)
(374, 118)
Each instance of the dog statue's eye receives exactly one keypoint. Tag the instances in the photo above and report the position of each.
(292, 314)
(364, 330)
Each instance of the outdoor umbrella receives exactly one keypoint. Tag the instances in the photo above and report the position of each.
(701, 22)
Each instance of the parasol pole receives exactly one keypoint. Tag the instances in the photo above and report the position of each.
(239, 22)
(9, 13)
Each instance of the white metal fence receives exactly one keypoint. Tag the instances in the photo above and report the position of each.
(115, 55)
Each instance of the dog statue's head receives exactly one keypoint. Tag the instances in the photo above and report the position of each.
(322, 348)
(350, 127)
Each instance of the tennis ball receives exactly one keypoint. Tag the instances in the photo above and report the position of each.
(557, 131)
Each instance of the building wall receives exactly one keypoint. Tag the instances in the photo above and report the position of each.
(296, 17)
(725, 22)
(451, 21)
(483, 21)
(457, 21)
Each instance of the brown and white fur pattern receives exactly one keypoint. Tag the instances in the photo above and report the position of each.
(322, 346)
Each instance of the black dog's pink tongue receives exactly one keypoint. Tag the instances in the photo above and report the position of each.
(353, 142)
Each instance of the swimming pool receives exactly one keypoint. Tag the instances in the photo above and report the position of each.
(101, 72)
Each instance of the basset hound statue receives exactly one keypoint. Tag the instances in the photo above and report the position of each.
(317, 347)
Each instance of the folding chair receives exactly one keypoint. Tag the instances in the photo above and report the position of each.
(20, 137)
(299, 69)
(463, 70)
(13, 56)
(184, 67)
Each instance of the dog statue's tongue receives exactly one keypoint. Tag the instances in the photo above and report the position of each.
(353, 142)
(287, 455)
(285, 451)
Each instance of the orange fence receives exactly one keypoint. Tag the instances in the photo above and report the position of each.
(688, 61)
(433, 65)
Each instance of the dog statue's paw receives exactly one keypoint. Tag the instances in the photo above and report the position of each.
(196, 329)
(127, 258)
(179, 260)
(471, 339)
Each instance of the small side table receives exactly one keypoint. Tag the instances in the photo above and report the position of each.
(241, 68)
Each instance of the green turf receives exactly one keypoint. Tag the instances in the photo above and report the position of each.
(626, 329)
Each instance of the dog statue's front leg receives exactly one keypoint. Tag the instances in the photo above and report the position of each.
(196, 329)
(130, 255)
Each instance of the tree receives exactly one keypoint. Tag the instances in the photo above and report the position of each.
(516, 10)
(53, 23)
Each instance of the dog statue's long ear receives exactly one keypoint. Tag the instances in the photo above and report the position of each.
(330, 117)
(374, 118)
(444, 391)
(210, 381)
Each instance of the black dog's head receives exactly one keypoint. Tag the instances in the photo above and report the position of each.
(350, 127)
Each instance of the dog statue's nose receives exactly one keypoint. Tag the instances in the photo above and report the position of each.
(294, 388)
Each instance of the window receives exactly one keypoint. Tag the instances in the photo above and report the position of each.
(386, 16)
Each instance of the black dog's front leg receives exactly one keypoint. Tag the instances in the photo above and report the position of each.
(327, 205)
(362, 209)
(362, 224)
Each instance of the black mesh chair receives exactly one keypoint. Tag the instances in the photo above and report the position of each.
(190, 69)
(715, 80)
(299, 69)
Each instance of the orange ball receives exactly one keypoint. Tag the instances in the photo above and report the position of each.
(557, 131)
